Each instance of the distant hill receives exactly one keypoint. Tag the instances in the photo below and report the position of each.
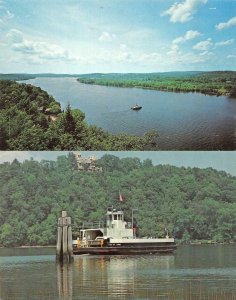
(140, 76)
(16, 76)
(25, 76)
(123, 76)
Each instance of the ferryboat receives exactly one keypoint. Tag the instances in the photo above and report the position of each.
(136, 107)
(118, 237)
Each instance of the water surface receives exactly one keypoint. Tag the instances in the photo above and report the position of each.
(185, 121)
(193, 272)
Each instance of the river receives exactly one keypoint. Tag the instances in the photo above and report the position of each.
(193, 272)
(184, 121)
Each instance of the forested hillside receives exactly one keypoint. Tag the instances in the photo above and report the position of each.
(191, 203)
(30, 119)
(212, 83)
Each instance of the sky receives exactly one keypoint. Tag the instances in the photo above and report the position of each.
(219, 160)
(85, 36)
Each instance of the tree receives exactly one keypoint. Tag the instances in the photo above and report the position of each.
(69, 124)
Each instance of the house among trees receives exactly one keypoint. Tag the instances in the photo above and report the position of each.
(86, 163)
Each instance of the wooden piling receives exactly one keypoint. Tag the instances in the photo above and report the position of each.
(64, 250)
(70, 241)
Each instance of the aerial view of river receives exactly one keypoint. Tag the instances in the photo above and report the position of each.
(193, 272)
(184, 121)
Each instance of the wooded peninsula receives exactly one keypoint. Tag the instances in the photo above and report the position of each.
(211, 83)
(191, 203)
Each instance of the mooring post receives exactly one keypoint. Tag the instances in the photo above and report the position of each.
(59, 239)
(70, 241)
(64, 250)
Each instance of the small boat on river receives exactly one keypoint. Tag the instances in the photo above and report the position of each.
(136, 107)
(115, 236)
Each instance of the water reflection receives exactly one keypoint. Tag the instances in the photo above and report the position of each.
(65, 281)
(194, 272)
(118, 276)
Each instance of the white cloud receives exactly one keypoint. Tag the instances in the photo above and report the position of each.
(203, 45)
(5, 14)
(224, 43)
(153, 57)
(231, 56)
(179, 59)
(206, 53)
(103, 56)
(189, 35)
(124, 56)
(107, 37)
(183, 12)
(174, 50)
(123, 47)
(231, 22)
(141, 34)
(35, 49)
(16, 36)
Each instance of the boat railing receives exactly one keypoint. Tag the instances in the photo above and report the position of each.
(96, 224)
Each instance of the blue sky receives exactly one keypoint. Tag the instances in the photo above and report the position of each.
(84, 36)
(219, 160)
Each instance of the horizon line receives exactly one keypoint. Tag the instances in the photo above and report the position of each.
(74, 74)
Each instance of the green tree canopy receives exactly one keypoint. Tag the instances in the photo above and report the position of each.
(191, 203)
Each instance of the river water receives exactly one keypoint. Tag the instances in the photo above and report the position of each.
(193, 272)
(184, 121)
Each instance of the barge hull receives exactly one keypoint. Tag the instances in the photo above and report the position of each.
(125, 250)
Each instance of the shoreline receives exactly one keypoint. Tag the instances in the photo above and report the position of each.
(179, 243)
(26, 247)
(170, 90)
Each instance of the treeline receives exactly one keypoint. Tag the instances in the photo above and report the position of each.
(26, 76)
(17, 77)
(211, 83)
(30, 119)
(191, 203)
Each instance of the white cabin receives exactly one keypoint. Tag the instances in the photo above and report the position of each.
(115, 228)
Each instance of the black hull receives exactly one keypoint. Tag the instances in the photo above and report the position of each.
(136, 108)
(126, 250)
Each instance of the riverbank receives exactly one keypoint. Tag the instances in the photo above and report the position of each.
(29, 247)
(217, 83)
(213, 86)
(204, 242)
(220, 83)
